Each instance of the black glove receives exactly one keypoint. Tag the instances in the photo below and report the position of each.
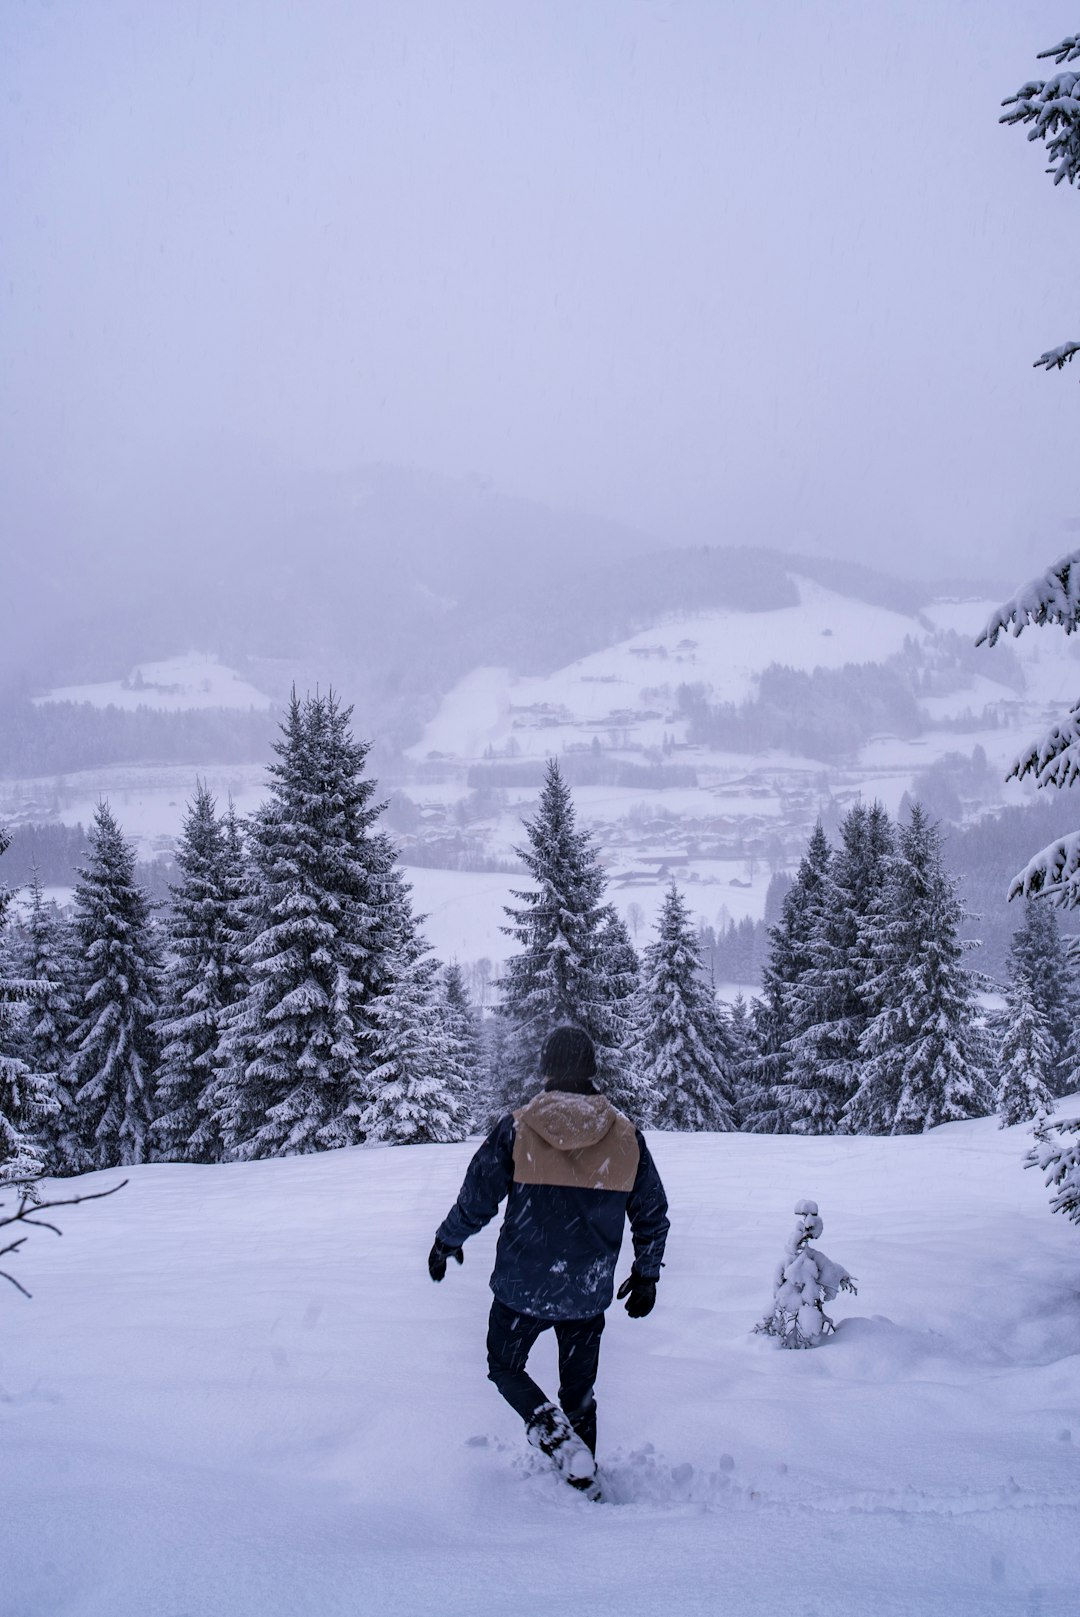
(438, 1255)
(640, 1294)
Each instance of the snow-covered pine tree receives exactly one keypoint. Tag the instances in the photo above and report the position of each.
(830, 997)
(923, 1054)
(1025, 1057)
(24, 1099)
(1037, 953)
(1052, 108)
(620, 968)
(48, 964)
(618, 1075)
(201, 979)
(558, 975)
(676, 1051)
(743, 1057)
(805, 1280)
(466, 1037)
(418, 1084)
(775, 1022)
(502, 1091)
(114, 1047)
(323, 910)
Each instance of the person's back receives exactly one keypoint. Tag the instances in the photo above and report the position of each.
(572, 1169)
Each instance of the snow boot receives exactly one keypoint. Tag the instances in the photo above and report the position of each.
(551, 1433)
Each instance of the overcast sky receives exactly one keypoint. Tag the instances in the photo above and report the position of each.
(725, 271)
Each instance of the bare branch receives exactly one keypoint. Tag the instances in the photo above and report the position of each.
(27, 1213)
(16, 1283)
(27, 1205)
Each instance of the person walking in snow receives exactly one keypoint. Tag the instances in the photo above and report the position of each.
(572, 1168)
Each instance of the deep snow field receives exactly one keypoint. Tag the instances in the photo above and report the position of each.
(236, 1393)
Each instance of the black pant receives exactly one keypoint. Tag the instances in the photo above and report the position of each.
(510, 1340)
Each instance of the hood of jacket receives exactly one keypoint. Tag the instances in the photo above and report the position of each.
(567, 1121)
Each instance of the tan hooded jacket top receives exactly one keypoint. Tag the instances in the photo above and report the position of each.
(568, 1139)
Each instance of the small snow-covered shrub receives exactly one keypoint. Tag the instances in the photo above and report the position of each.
(805, 1280)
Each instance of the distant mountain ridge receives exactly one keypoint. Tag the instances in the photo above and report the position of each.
(389, 583)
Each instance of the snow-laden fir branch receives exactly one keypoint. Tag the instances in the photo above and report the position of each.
(1053, 597)
(1055, 359)
(1052, 107)
(1057, 1152)
(1067, 51)
(1055, 759)
(1054, 872)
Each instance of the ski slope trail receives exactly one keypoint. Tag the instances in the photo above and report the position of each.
(236, 1393)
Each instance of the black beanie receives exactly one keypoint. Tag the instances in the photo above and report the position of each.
(568, 1055)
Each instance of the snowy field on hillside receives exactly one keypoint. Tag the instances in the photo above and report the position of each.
(723, 648)
(464, 910)
(740, 799)
(612, 692)
(236, 1393)
(148, 800)
(193, 680)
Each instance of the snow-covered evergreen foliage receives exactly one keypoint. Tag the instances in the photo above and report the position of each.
(25, 1110)
(620, 968)
(923, 1054)
(677, 1051)
(805, 1280)
(1052, 107)
(743, 1055)
(559, 974)
(831, 997)
(201, 979)
(466, 1039)
(775, 1014)
(1057, 1152)
(418, 1083)
(324, 915)
(1038, 954)
(1025, 1057)
(48, 965)
(618, 1074)
(114, 1046)
(1055, 759)
(503, 1090)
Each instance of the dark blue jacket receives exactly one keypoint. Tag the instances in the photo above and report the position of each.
(572, 1169)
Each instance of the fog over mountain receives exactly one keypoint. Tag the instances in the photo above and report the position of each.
(388, 582)
(718, 274)
(650, 387)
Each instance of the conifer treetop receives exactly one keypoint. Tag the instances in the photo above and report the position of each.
(115, 1046)
(557, 976)
(325, 911)
(680, 1044)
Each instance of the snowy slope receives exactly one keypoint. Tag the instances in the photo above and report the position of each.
(625, 693)
(193, 680)
(725, 649)
(237, 1394)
